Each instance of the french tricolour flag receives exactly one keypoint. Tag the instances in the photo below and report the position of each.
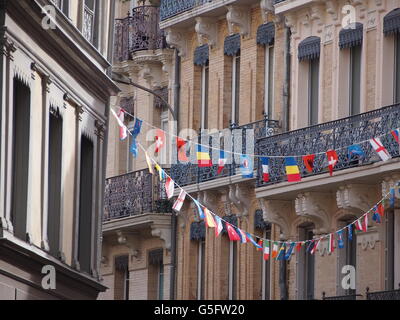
(265, 168)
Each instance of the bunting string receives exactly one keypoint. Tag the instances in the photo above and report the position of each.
(213, 220)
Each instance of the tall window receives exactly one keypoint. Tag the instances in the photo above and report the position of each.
(91, 21)
(235, 88)
(355, 80)
(160, 294)
(204, 96)
(201, 270)
(121, 278)
(232, 287)
(397, 69)
(306, 266)
(85, 204)
(268, 80)
(266, 272)
(20, 170)
(63, 5)
(54, 185)
(313, 91)
(156, 275)
(392, 221)
(347, 255)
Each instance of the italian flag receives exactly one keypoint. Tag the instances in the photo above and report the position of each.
(331, 246)
(266, 250)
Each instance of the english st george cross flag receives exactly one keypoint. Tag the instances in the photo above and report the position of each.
(179, 202)
(380, 149)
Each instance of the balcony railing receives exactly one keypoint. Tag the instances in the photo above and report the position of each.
(343, 298)
(139, 31)
(330, 135)
(134, 194)
(170, 8)
(384, 295)
(187, 174)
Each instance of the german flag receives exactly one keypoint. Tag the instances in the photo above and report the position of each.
(203, 157)
(292, 170)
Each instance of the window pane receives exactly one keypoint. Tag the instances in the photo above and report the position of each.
(270, 82)
(313, 91)
(237, 89)
(397, 68)
(355, 80)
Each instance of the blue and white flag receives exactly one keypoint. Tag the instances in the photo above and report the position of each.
(355, 150)
(135, 132)
(290, 251)
(340, 239)
(350, 232)
(246, 166)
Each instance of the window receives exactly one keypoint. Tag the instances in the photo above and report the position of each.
(20, 170)
(235, 88)
(204, 96)
(266, 272)
(121, 278)
(355, 80)
(54, 183)
(306, 266)
(313, 91)
(397, 69)
(268, 81)
(392, 249)
(160, 295)
(85, 205)
(63, 5)
(347, 255)
(201, 270)
(156, 275)
(232, 270)
(91, 21)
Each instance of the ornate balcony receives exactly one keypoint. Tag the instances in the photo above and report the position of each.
(330, 135)
(170, 8)
(134, 194)
(384, 295)
(187, 174)
(139, 31)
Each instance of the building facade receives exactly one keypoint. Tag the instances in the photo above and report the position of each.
(55, 93)
(307, 77)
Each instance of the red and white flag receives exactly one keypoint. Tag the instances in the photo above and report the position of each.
(365, 224)
(380, 149)
(169, 187)
(331, 245)
(219, 227)
(359, 225)
(179, 202)
(233, 235)
(160, 140)
(315, 246)
(123, 132)
(332, 160)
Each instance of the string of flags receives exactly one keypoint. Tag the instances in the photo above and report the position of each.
(281, 250)
(246, 161)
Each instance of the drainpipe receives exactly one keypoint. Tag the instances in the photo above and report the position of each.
(174, 219)
(286, 86)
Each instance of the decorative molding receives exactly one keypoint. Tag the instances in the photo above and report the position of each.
(238, 16)
(280, 213)
(372, 20)
(329, 34)
(240, 196)
(267, 6)
(291, 22)
(177, 38)
(162, 231)
(317, 13)
(368, 239)
(152, 73)
(207, 28)
(317, 207)
(7, 46)
(356, 198)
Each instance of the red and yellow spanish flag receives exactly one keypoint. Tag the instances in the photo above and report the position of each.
(292, 170)
(203, 157)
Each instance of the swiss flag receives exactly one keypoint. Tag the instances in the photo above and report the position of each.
(233, 236)
(332, 160)
(160, 140)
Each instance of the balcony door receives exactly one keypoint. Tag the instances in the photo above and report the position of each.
(305, 266)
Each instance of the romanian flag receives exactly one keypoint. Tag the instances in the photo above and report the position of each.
(203, 157)
(292, 170)
(210, 222)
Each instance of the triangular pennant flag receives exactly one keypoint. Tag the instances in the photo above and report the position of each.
(309, 162)
(359, 225)
(332, 160)
(340, 239)
(149, 163)
(266, 249)
(242, 235)
(200, 210)
(251, 239)
(281, 253)
(315, 248)
(161, 172)
(265, 168)
(221, 161)
(179, 202)
(380, 149)
(169, 187)
(233, 235)
(210, 222)
(290, 251)
(219, 226)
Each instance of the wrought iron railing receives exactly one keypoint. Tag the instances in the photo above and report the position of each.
(336, 135)
(191, 173)
(278, 1)
(139, 31)
(344, 297)
(170, 8)
(384, 295)
(88, 24)
(133, 194)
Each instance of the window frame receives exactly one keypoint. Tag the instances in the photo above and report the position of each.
(235, 97)
(269, 69)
